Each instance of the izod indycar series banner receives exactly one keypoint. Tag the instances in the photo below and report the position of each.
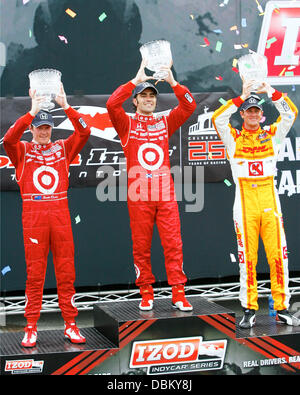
(196, 143)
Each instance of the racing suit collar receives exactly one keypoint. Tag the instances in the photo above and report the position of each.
(144, 118)
(38, 145)
(247, 132)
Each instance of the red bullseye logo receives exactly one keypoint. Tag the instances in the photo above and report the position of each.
(150, 156)
(45, 179)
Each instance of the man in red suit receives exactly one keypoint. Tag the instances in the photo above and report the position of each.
(42, 168)
(151, 195)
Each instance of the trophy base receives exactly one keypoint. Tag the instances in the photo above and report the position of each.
(47, 106)
(160, 75)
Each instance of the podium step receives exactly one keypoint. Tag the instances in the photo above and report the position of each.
(53, 341)
(109, 316)
(162, 309)
(265, 326)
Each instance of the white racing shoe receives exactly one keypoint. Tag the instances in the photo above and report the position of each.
(73, 333)
(146, 303)
(285, 317)
(179, 300)
(30, 337)
(248, 320)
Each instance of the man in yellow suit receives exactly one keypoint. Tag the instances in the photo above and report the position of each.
(252, 153)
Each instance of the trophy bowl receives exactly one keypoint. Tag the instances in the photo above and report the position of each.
(253, 67)
(46, 82)
(157, 53)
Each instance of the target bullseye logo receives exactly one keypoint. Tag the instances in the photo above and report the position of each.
(150, 156)
(45, 179)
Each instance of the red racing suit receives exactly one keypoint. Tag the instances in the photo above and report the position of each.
(151, 195)
(42, 175)
(257, 211)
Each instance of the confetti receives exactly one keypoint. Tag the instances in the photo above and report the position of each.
(260, 9)
(33, 240)
(26, 1)
(232, 257)
(5, 270)
(244, 22)
(261, 101)
(219, 78)
(71, 13)
(102, 17)
(237, 46)
(228, 183)
(222, 101)
(30, 33)
(63, 38)
(233, 27)
(236, 70)
(207, 43)
(192, 16)
(289, 74)
(270, 42)
(225, 2)
(217, 31)
(77, 219)
(219, 46)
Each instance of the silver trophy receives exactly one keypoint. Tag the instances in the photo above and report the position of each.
(253, 67)
(157, 53)
(46, 82)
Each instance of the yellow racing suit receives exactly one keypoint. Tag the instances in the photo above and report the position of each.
(252, 156)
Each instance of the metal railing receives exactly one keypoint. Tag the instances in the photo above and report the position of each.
(86, 300)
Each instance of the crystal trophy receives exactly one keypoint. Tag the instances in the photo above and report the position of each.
(157, 53)
(253, 67)
(46, 82)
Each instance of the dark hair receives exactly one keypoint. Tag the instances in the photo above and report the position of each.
(133, 105)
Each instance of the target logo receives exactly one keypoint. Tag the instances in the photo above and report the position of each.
(150, 156)
(45, 179)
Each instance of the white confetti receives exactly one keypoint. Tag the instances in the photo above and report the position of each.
(232, 257)
(5, 270)
(33, 240)
(63, 38)
(244, 22)
(77, 219)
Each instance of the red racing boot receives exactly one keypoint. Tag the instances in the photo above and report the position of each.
(73, 334)
(147, 297)
(179, 300)
(30, 337)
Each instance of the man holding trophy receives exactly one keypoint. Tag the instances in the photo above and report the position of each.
(252, 153)
(42, 169)
(151, 195)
